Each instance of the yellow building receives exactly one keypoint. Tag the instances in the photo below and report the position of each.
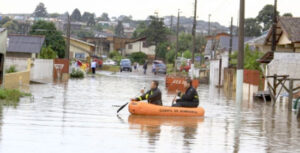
(80, 49)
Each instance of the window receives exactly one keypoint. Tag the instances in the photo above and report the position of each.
(79, 55)
(130, 46)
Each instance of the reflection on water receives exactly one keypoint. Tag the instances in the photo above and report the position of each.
(78, 117)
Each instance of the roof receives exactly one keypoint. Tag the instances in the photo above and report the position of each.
(290, 25)
(258, 40)
(138, 39)
(224, 43)
(81, 41)
(25, 43)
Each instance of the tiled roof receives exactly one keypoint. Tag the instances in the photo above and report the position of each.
(25, 43)
(291, 26)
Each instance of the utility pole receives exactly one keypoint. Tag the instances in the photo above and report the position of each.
(177, 39)
(230, 42)
(67, 52)
(240, 64)
(274, 27)
(171, 24)
(208, 32)
(194, 38)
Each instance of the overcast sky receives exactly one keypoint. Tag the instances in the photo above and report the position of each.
(221, 10)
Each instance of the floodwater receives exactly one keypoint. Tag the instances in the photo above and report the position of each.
(80, 117)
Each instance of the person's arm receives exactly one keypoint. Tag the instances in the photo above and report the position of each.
(143, 96)
(188, 96)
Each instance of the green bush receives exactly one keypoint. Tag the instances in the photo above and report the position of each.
(48, 53)
(77, 73)
(187, 54)
(139, 57)
(11, 69)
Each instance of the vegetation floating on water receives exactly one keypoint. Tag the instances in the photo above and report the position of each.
(11, 97)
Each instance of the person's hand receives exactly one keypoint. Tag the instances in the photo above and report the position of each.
(142, 91)
(177, 91)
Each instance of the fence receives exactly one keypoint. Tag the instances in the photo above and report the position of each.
(42, 70)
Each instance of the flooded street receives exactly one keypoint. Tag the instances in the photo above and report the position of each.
(79, 116)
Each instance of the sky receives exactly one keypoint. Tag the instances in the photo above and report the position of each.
(221, 10)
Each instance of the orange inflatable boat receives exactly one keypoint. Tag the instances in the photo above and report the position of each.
(143, 108)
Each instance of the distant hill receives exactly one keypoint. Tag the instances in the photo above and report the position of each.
(202, 26)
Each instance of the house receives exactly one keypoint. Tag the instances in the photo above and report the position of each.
(106, 43)
(221, 44)
(286, 58)
(258, 43)
(24, 46)
(3, 42)
(80, 49)
(140, 45)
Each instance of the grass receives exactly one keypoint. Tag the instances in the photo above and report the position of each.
(11, 97)
(11, 69)
(111, 68)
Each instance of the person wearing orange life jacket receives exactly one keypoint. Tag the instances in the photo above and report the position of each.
(189, 98)
(153, 95)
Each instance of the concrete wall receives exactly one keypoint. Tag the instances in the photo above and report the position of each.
(18, 80)
(285, 64)
(19, 63)
(42, 70)
(3, 42)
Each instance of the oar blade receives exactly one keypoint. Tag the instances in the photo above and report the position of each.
(121, 107)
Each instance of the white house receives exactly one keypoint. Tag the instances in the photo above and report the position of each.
(140, 45)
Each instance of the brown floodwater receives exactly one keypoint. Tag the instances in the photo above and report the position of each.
(80, 117)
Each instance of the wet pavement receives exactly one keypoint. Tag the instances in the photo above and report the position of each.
(80, 117)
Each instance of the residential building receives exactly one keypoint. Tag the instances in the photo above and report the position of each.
(140, 45)
(220, 43)
(3, 43)
(286, 58)
(106, 42)
(24, 46)
(80, 49)
(258, 43)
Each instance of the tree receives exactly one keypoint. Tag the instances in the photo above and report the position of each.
(252, 28)
(89, 18)
(287, 15)
(140, 30)
(170, 56)
(40, 11)
(54, 15)
(48, 53)
(84, 33)
(125, 18)
(76, 15)
(53, 38)
(156, 32)
(97, 27)
(161, 49)
(250, 59)
(265, 16)
(104, 17)
(119, 31)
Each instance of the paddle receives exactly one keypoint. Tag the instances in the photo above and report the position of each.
(122, 107)
(125, 105)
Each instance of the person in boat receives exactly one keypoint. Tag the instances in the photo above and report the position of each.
(189, 98)
(153, 95)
